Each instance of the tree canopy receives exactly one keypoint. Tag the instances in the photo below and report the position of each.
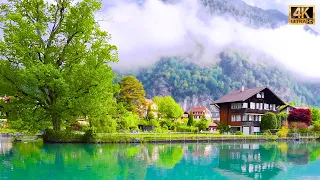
(54, 61)
(300, 115)
(132, 95)
(168, 108)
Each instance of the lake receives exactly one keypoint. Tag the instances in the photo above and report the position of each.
(273, 160)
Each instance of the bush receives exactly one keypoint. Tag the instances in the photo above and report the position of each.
(268, 121)
(184, 128)
(223, 128)
(300, 115)
(281, 119)
(202, 124)
(283, 131)
(154, 122)
(62, 136)
(316, 127)
(267, 133)
(239, 133)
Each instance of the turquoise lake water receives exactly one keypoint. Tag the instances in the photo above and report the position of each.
(161, 161)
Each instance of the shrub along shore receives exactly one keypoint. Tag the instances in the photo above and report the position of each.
(88, 137)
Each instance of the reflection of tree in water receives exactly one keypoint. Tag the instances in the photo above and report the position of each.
(298, 154)
(169, 156)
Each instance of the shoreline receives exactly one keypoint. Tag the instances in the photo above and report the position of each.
(154, 141)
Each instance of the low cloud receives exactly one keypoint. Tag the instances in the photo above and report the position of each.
(146, 33)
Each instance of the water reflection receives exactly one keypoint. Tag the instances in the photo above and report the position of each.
(161, 161)
(5, 147)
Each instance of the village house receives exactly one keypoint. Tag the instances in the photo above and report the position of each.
(242, 110)
(185, 115)
(200, 111)
(287, 108)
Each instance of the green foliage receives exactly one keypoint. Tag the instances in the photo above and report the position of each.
(316, 126)
(239, 133)
(268, 133)
(223, 128)
(203, 124)
(190, 119)
(283, 132)
(281, 118)
(167, 123)
(55, 64)
(168, 108)
(150, 114)
(128, 121)
(154, 122)
(315, 115)
(104, 125)
(184, 128)
(132, 95)
(268, 121)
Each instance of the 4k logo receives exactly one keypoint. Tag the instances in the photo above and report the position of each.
(301, 14)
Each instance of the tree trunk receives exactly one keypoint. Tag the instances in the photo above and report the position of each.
(56, 123)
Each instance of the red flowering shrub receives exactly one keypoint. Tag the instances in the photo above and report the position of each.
(300, 115)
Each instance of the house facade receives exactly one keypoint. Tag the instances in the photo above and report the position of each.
(242, 110)
(199, 112)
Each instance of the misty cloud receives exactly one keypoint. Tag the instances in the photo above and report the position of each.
(145, 33)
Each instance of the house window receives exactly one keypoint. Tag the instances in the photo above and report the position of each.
(245, 118)
(238, 118)
(272, 107)
(233, 118)
(250, 117)
(258, 95)
(262, 94)
(236, 105)
(259, 118)
(266, 106)
(245, 105)
(252, 105)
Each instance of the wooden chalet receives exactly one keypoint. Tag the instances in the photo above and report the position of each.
(242, 109)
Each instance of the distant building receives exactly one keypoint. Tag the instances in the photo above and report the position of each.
(212, 126)
(185, 115)
(287, 108)
(242, 110)
(199, 112)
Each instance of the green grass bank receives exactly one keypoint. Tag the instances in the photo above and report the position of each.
(65, 137)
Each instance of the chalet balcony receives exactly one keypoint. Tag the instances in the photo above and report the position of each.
(250, 123)
(255, 111)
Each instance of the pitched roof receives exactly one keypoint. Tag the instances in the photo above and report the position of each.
(212, 124)
(198, 109)
(239, 96)
(301, 107)
(149, 101)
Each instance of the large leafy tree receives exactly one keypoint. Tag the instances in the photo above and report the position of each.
(54, 61)
(132, 95)
(168, 108)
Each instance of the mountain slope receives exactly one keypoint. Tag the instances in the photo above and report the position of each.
(193, 84)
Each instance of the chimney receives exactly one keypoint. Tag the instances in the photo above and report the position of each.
(242, 89)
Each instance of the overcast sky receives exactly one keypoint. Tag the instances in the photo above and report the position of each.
(144, 34)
